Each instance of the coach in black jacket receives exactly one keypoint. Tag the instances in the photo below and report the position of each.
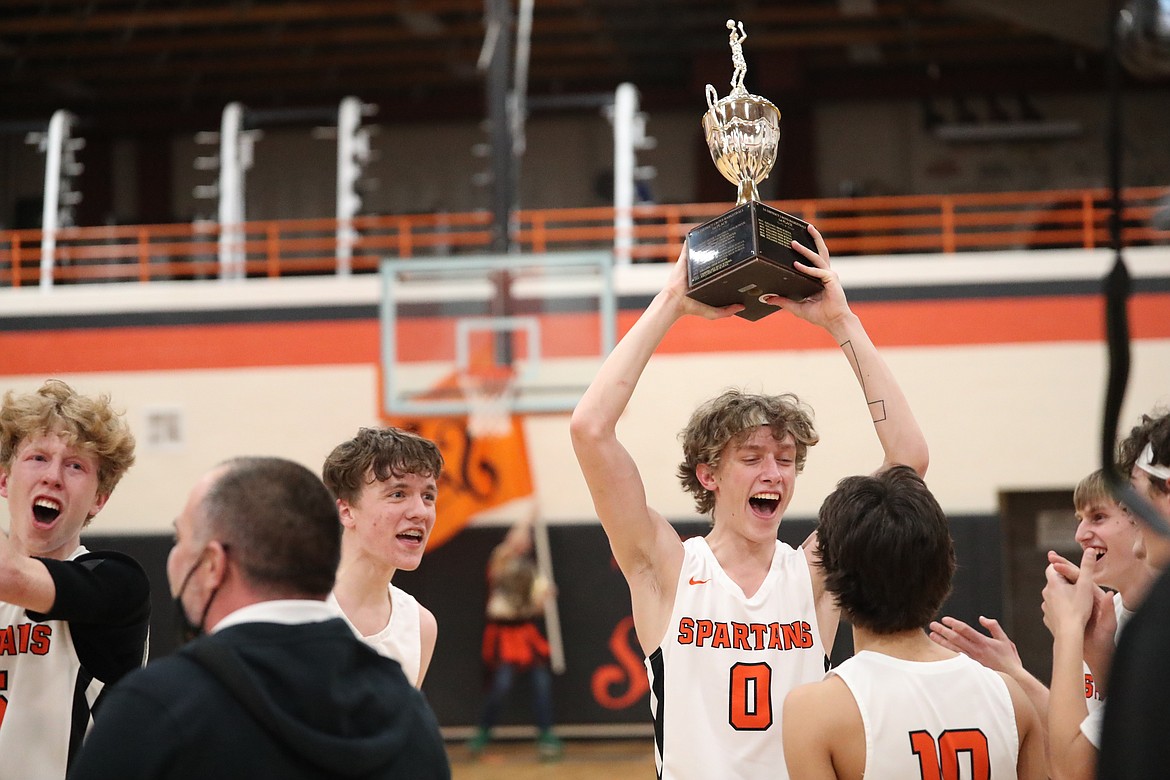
(281, 687)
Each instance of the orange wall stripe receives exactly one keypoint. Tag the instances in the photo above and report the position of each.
(924, 323)
(166, 348)
(929, 323)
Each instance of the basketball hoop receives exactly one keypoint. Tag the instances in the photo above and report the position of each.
(489, 400)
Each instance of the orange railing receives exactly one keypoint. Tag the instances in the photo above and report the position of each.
(855, 226)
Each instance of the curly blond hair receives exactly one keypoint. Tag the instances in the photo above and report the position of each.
(90, 424)
(731, 416)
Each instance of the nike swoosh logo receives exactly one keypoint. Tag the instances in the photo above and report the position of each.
(698, 582)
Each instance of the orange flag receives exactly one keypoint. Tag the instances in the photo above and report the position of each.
(479, 473)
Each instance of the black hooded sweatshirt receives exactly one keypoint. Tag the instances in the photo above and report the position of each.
(266, 700)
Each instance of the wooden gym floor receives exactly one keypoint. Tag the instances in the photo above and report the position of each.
(582, 760)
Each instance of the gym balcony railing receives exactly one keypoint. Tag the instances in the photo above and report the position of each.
(917, 224)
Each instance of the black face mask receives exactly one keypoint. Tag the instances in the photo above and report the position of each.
(186, 629)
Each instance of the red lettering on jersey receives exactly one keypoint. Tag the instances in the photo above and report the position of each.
(750, 703)
(1091, 691)
(41, 639)
(970, 742)
(940, 759)
(25, 638)
(739, 636)
(745, 636)
(703, 631)
(806, 635)
(924, 747)
(628, 671)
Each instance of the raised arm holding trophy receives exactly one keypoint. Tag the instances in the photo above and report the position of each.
(745, 253)
(716, 711)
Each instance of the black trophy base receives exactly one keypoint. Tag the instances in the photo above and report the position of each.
(746, 253)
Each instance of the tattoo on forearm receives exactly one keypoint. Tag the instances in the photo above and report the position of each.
(877, 408)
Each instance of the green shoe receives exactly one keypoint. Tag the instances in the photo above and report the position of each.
(549, 746)
(476, 744)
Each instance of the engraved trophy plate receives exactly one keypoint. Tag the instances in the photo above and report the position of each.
(745, 253)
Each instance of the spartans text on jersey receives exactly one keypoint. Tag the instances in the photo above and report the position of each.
(745, 636)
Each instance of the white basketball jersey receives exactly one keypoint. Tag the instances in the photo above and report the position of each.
(1091, 725)
(950, 718)
(45, 694)
(718, 681)
(401, 639)
(1093, 698)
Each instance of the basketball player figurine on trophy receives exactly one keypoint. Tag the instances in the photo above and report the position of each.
(745, 253)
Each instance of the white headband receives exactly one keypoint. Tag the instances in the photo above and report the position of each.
(1145, 462)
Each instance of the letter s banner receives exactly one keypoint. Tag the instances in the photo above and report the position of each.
(629, 670)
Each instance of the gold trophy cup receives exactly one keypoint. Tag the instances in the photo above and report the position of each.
(745, 253)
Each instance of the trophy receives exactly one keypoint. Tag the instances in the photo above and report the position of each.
(746, 253)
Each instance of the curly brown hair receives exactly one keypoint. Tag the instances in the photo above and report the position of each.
(730, 417)
(1154, 430)
(382, 452)
(90, 424)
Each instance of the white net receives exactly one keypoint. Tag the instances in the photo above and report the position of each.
(489, 399)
